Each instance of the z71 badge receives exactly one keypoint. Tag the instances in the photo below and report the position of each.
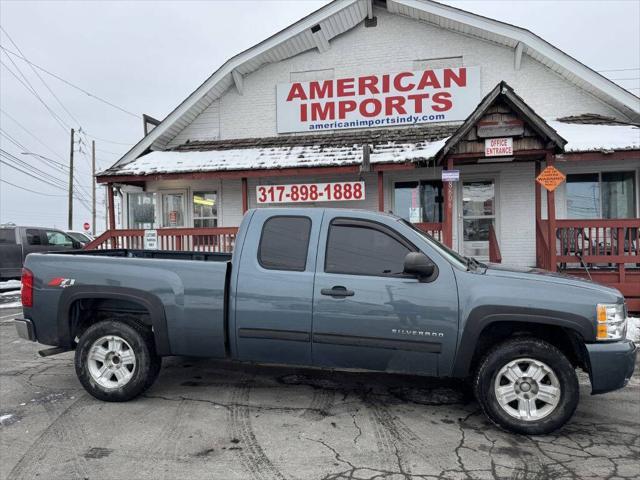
(62, 282)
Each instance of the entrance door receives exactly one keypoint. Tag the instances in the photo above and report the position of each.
(478, 214)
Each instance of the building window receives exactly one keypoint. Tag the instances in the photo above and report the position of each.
(601, 195)
(419, 202)
(284, 243)
(141, 210)
(205, 209)
(173, 210)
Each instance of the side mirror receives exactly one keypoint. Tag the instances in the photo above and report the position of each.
(76, 245)
(419, 265)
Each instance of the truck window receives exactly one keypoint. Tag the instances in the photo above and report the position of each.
(7, 236)
(58, 238)
(364, 248)
(33, 237)
(284, 243)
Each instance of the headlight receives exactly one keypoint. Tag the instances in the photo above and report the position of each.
(612, 322)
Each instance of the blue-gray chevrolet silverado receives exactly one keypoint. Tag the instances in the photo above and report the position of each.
(337, 289)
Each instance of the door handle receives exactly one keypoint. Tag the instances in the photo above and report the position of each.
(337, 291)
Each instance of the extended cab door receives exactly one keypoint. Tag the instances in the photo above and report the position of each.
(274, 287)
(367, 313)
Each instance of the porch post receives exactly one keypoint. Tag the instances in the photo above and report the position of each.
(551, 222)
(111, 206)
(245, 197)
(538, 219)
(381, 191)
(112, 214)
(447, 224)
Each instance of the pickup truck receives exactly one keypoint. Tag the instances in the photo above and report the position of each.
(18, 242)
(335, 289)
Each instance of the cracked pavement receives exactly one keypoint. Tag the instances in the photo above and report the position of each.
(218, 420)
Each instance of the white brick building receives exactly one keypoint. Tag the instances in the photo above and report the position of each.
(203, 165)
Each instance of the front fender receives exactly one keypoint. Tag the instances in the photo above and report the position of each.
(484, 316)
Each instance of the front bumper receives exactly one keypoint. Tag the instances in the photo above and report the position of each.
(25, 329)
(611, 365)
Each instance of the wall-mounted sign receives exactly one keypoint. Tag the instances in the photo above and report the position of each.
(151, 240)
(451, 175)
(506, 127)
(551, 178)
(389, 99)
(498, 147)
(310, 192)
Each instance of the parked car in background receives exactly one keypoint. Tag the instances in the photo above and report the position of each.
(17, 242)
(83, 237)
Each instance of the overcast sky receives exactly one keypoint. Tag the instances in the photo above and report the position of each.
(147, 56)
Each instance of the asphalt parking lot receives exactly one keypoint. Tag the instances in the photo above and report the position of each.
(215, 420)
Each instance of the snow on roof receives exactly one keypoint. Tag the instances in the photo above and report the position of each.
(275, 158)
(597, 138)
(580, 138)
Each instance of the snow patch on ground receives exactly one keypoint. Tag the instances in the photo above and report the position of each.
(10, 285)
(633, 329)
(10, 305)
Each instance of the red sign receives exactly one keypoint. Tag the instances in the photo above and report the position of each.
(310, 192)
(86, 226)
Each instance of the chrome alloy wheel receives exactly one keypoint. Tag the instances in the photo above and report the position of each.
(527, 389)
(111, 362)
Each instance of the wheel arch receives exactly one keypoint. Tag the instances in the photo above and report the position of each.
(568, 332)
(72, 297)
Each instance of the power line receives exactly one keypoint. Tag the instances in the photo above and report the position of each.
(40, 77)
(628, 78)
(32, 91)
(33, 191)
(32, 135)
(71, 84)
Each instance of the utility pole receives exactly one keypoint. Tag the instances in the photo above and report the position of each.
(93, 187)
(71, 180)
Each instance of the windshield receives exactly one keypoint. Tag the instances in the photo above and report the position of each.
(451, 255)
(79, 237)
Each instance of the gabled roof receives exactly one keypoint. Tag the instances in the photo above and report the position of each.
(340, 16)
(503, 92)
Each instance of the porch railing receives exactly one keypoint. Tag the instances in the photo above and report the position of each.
(606, 251)
(494, 247)
(433, 229)
(190, 239)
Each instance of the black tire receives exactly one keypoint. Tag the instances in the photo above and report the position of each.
(147, 362)
(526, 348)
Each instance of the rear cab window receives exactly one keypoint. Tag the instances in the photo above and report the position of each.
(284, 243)
(362, 247)
(33, 236)
(7, 236)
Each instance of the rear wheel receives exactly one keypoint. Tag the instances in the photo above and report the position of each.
(527, 386)
(116, 361)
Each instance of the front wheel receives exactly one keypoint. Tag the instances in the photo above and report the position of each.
(116, 361)
(527, 386)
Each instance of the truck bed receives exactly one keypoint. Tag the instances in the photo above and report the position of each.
(163, 254)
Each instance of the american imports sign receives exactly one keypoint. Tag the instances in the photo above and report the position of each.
(390, 99)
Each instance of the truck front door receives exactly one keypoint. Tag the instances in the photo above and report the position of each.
(368, 314)
(274, 288)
